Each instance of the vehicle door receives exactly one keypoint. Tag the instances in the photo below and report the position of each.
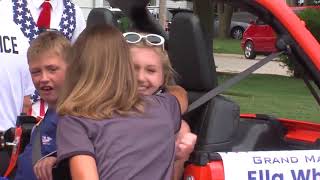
(264, 38)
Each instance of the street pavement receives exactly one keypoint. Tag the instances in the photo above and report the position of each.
(232, 63)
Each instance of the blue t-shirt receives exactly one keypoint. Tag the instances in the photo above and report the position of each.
(48, 146)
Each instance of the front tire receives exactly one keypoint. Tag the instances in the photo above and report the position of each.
(237, 32)
(249, 50)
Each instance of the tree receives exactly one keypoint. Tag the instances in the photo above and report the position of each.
(225, 14)
(162, 12)
(308, 2)
(203, 9)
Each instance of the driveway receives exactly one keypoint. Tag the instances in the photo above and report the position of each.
(236, 63)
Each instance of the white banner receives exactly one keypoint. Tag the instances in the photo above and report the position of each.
(272, 165)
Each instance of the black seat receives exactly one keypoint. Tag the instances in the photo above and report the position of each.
(101, 16)
(215, 122)
(260, 134)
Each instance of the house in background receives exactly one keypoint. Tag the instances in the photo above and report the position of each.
(154, 7)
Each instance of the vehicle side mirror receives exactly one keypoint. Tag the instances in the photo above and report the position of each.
(252, 21)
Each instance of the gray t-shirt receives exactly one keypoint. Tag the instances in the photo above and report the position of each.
(136, 147)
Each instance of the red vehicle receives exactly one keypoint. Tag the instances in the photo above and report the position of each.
(230, 145)
(253, 146)
(260, 38)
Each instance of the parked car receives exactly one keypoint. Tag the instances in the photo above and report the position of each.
(239, 22)
(236, 28)
(260, 38)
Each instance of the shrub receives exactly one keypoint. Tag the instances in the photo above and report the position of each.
(124, 24)
(312, 21)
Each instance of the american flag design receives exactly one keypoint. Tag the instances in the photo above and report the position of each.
(22, 17)
(35, 97)
(38, 109)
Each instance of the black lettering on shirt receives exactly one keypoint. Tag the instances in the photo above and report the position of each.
(1, 47)
(8, 45)
(14, 45)
(6, 41)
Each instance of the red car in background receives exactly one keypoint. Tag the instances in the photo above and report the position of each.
(260, 38)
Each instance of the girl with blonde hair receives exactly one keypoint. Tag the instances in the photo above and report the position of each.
(156, 75)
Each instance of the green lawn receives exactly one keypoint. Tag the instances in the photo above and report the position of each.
(228, 46)
(275, 95)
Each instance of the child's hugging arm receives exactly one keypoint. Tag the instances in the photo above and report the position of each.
(75, 146)
(83, 167)
(185, 140)
(181, 96)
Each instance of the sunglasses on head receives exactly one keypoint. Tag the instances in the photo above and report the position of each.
(152, 39)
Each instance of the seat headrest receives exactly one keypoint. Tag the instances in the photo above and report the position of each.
(101, 16)
(144, 21)
(190, 54)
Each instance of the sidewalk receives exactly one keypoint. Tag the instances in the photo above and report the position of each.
(234, 63)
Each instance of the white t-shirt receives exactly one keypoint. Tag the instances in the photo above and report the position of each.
(15, 82)
(17, 30)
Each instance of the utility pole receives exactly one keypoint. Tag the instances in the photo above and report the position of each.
(162, 12)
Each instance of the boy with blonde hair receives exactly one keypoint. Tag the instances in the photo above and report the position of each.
(47, 56)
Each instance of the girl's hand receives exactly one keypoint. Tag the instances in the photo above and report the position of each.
(185, 145)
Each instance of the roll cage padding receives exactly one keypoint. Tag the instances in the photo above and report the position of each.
(101, 16)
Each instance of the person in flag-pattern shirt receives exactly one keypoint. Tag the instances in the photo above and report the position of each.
(18, 20)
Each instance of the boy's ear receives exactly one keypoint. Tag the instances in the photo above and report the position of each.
(181, 95)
